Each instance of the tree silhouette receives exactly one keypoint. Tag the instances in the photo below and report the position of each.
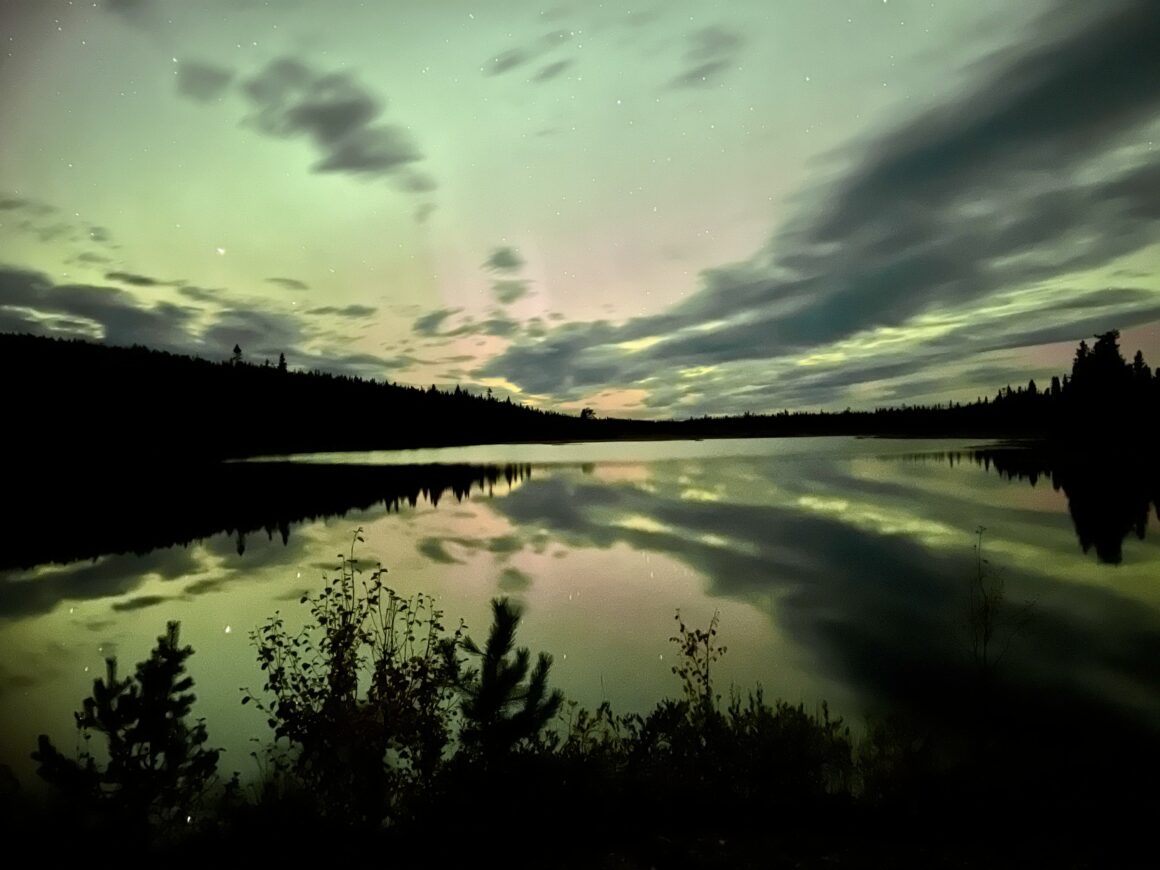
(281, 362)
(1141, 373)
(158, 768)
(236, 359)
(500, 709)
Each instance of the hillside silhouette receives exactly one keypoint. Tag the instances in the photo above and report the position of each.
(75, 400)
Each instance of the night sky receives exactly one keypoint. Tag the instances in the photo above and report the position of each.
(657, 209)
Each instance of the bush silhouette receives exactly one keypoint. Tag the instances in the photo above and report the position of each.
(363, 694)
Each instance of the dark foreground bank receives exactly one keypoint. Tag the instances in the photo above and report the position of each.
(398, 738)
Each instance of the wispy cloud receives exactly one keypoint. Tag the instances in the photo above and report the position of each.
(351, 311)
(550, 71)
(521, 55)
(46, 222)
(288, 283)
(136, 280)
(933, 226)
(709, 54)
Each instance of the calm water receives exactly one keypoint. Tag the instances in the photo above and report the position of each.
(840, 568)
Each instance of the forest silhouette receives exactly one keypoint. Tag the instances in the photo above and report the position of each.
(76, 400)
(154, 427)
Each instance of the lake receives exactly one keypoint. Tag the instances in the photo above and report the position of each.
(840, 568)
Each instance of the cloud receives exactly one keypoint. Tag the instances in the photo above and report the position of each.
(402, 361)
(200, 294)
(31, 302)
(502, 327)
(506, 60)
(140, 602)
(120, 318)
(522, 55)
(202, 82)
(91, 258)
(137, 280)
(258, 333)
(434, 550)
(504, 259)
(27, 205)
(510, 290)
(131, 9)
(710, 52)
(416, 182)
(433, 325)
(428, 324)
(47, 223)
(353, 311)
(108, 577)
(514, 580)
(552, 70)
(337, 114)
(289, 283)
(953, 225)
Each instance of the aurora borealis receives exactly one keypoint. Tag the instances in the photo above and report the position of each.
(656, 209)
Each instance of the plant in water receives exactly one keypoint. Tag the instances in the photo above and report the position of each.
(363, 693)
(505, 706)
(158, 770)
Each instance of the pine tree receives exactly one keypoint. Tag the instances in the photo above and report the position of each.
(158, 768)
(501, 710)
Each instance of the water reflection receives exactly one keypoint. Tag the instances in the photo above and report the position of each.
(1109, 497)
(181, 506)
(839, 575)
(869, 577)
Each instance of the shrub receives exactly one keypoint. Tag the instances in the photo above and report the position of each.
(363, 694)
